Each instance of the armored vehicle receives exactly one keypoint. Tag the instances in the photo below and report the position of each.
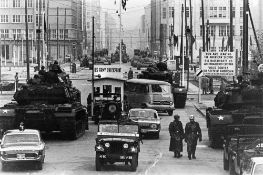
(47, 105)
(161, 73)
(117, 142)
(239, 104)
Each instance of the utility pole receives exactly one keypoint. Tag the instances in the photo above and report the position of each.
(207, 35)
(231, 26)
(245, 38)
(254, 31)
(203, 26)
(182, 43)
(47, 33)
(57, 36)
(38, 35)
(120, 33)
(191, 29)
(65, 21)
(93, 61)
(27, 46)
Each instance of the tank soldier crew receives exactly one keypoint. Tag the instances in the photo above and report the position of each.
(192, 133)
(42, 71)
(177, 134)
(56, 68)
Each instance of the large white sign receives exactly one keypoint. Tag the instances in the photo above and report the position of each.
(171, 64)
(218, 63)
(114, 71)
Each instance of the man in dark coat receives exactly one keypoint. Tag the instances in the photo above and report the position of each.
(130, 74)
(177, 134)
(192, 133)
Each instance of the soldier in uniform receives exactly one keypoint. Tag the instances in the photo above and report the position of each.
(192, 133)
(177, 134)
(130, 74)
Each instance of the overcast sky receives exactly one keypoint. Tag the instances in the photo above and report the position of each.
(130, 17)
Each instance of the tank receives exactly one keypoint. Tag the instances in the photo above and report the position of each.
(232, 106)
(47, 106)
(161, 73)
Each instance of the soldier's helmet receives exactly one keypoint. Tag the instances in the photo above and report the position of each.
(191, 117)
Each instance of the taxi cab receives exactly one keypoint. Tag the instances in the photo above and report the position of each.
(22, 145)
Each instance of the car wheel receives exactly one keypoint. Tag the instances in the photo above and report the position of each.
(4, 167)
(39, 165)
(134, 162)
(98, 162)
(170, 112)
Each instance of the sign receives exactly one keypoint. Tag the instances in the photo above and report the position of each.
(114, 71)
(199, 73)
(260, 68)
(218, 63)
(171, 64)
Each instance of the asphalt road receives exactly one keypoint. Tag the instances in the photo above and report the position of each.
(78, 157)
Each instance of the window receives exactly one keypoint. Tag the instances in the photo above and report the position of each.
(224, 12)
(212, 30)
(53, 33)
(107, 89)
(4, 33)
(16, 18)
(4, 18)
(16, 34)
(61, 33)
(222, 30)
(211, 12)
(96, 91)
(215, 12)
(212, 49)
(241, 12)
(16, 3)
(40, 19)
(29, 3)
(200, 12)
(3, 3)
(187, 12)
(29, 18)
(118, 90)
(241, 30)
(221, 49)
(233, 12)
(220, 12)
(171, 12)
(164, 13)
(66, 33)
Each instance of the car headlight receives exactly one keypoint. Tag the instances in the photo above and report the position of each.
(153, 126)
(107, 145)
(125, 145)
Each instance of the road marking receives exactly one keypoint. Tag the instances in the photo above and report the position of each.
(160, 155)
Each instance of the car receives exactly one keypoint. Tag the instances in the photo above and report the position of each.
(102, 61)
(145, 62)
(117, 141)
(22, 145)
(147, 119)
(254, 167)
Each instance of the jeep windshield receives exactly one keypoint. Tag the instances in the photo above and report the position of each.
(20, 139)
(115, 128)
(135, 114)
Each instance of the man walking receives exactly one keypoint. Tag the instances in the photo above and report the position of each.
(192, 133)
(177, 134)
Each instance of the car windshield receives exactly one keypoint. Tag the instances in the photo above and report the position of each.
(142, 114)
(113, 128)
(161, 88)
(258, 169)
(20, 138)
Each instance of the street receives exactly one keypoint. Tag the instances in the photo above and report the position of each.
(78, 157)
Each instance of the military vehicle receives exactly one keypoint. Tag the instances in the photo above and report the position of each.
(241, 145)
(47, 103)
(117, 141)
(232, 106)
(161, 73)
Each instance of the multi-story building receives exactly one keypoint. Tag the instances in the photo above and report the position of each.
(68, 13)
(216, 14)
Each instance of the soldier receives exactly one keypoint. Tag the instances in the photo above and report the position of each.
(177, 134)
(16, 81)
(192, 133)
(42, 71)
(130, 74)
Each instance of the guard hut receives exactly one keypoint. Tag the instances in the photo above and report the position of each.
(105, 87)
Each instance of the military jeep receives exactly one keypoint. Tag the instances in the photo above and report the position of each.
(117, 142)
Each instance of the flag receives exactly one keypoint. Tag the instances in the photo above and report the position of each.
(175, 40)
(223, 41)
(193, 39)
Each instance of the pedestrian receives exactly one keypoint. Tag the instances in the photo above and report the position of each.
(16, 81)
(211, 89)
(204, 84)
(222, 86)
(130, 73)
(177, 135)
(56, 68)
(192, 134)
(42, 71)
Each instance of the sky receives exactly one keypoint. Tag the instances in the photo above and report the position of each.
(130, 17)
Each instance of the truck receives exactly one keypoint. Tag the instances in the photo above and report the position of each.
(238, 101)
(244, 143)
(47, 106)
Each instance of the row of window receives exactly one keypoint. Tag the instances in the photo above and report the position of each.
(224, 30)
(20, 3)
(15, 18)
(19, 33)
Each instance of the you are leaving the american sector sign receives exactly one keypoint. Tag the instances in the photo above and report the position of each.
(218, 63)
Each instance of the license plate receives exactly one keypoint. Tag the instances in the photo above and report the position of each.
(20, 156)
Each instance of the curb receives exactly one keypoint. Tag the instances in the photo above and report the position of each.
(199, 110)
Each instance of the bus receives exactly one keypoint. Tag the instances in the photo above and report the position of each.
(149, 94)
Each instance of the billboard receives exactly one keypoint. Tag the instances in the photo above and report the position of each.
(114, 71)
(218, 63)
